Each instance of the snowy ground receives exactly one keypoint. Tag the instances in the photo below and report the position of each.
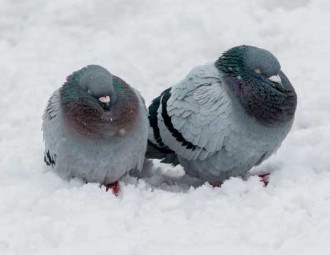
(153, 44)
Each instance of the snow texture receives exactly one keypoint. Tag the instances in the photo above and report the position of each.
(152, 45)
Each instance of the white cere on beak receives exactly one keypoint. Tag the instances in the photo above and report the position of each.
(105, 100)
(257, 71)
(275, 78)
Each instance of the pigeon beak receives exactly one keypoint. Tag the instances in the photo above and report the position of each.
(105, 100)
(277, 80)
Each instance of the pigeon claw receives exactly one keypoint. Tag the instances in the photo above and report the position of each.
(264, 178)
(216, 184)
(115, 187)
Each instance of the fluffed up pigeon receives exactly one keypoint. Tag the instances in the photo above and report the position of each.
(95, 128)
(225, 117)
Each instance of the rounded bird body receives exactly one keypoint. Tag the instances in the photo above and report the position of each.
(225, 117)
(95, 127)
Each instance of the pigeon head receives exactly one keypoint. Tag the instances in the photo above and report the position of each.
(98, 82)
(254, 76)
(97, 103)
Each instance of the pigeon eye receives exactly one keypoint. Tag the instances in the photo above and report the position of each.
(89, 92)
(258, 71)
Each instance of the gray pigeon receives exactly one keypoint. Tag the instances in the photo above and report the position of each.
(225, 117)
(95, 128)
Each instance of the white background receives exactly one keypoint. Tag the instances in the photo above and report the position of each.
(152, 45)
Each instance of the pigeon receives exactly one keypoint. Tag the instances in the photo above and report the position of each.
(224, 117)
(95, 128)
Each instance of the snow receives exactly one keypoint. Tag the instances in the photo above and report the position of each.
(152, 45)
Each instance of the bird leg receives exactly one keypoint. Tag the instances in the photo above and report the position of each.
(216, 184)
(264, 178)
(115, 187)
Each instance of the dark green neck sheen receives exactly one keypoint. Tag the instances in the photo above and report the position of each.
(232, 61)
(84, 113)
(71, 89)
(257, 96)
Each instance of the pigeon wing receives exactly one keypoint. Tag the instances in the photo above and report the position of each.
(194, 115)
(51, 129)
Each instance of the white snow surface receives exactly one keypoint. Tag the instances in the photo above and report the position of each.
(152, 45)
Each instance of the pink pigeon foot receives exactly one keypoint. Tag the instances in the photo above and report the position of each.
(216, 185)
(115, 187)
(264, 178)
